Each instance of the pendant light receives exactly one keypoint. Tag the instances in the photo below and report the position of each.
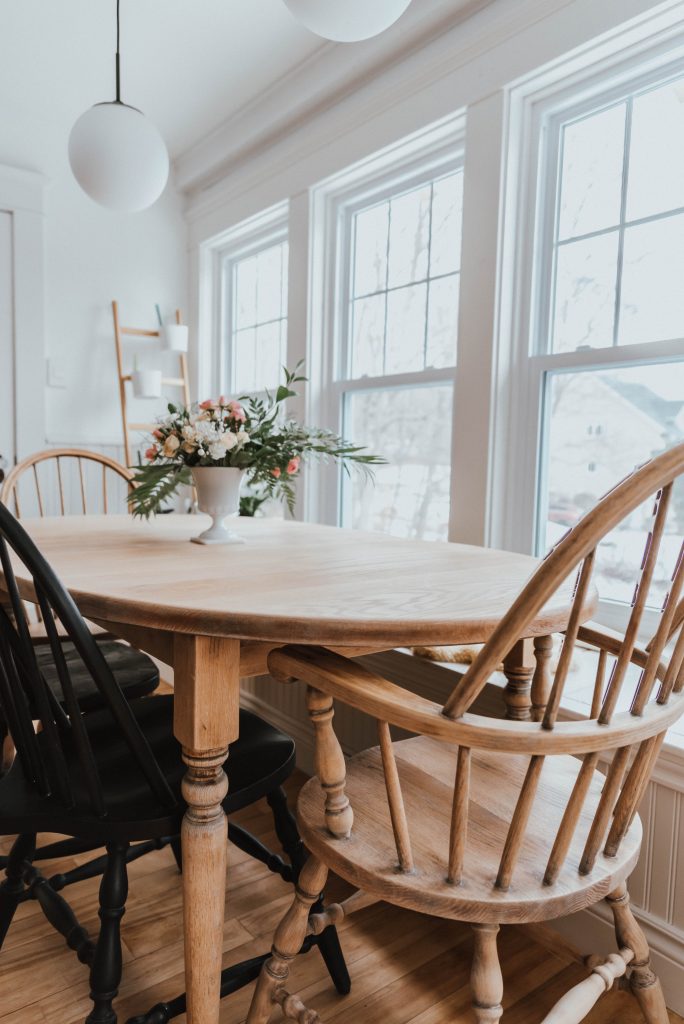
(347, 21)
(117, 156)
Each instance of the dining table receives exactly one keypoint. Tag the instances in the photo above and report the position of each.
(213, 613)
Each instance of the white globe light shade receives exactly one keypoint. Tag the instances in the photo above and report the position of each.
(347, 21)
(118, 157)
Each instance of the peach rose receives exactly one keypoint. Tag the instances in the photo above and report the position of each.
(275, 472)
(237, 412)
(151, 452)
(293, 465)
(158, 434)
(208, 403)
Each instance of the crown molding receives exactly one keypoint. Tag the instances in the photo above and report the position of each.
(332, 72)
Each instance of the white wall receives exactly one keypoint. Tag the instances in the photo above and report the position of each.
(91, 257)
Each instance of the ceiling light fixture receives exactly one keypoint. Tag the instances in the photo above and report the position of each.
(347, 21)
(117, 156)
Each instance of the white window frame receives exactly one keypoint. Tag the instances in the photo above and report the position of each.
(423, 157)
(217, 260)
(535, 119)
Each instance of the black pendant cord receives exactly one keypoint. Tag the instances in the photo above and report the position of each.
(118, 62)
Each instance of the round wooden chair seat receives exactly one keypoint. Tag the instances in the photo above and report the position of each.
(427, 769)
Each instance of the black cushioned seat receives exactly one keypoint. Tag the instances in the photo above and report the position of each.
(259, 761)
(135, 672)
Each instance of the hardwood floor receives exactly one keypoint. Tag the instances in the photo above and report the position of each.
(405, 968)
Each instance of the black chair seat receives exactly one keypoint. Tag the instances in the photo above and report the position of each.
(135, 672)
(259, 761)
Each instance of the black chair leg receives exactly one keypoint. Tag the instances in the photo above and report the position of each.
(290, 840)
(286, 829)
(105, 973)
(177, 848)
(12, 888)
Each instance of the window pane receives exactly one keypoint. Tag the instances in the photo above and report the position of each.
(409, 237)
(246, 293)
(652, 299)
(269, 284)
(244, 343)
(368, 339)
(370, 250)
(601, 425)
(411, 428)
(585, 293)
(591, 175)
(447, 217)
(442, 332)
(405, 341)
(656, 181)
(269, 356)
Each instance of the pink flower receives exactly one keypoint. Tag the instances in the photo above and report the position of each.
(222, 400)
(158, 434)
(208, 403)
(237, 412)
(151, 452)
(275, 472)
(293, 465)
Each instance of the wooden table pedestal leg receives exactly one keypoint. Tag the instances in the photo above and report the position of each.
(205, 857)
(206, 721)
(519, 668)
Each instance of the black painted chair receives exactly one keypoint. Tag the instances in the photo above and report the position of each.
(111, 777)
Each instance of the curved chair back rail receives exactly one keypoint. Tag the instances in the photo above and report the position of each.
(637, 696)
(45, 756)
(69, 480)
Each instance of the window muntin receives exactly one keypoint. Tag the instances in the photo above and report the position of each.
(618, 240)
(258, 317)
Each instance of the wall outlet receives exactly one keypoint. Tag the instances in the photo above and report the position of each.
(56, 374)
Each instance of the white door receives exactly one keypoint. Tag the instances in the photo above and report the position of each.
(7, 420)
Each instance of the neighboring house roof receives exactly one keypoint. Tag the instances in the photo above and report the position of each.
(663, 411)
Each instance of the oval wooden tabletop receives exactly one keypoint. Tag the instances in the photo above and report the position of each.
(289, 582)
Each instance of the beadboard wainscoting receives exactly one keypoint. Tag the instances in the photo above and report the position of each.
(657, 885)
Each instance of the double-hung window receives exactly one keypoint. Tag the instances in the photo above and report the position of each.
(391, 382)
(607, 359)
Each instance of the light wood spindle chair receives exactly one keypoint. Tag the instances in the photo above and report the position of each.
(492, 821)
(71, 480)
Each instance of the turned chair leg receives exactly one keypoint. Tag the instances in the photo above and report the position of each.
(20, 857)
(290, 840)
(288, 940)
(643, 982)
(486, 980)
(105, 973)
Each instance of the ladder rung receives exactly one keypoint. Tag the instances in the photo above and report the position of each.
(139, 332)
(175, 382)
(141, 426)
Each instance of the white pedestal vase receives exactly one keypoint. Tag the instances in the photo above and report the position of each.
(218, 494)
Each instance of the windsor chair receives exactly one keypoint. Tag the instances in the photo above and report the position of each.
(74, 480)
(109, 778)
(494, 821)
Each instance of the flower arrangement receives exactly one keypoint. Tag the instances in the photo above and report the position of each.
(247, 433)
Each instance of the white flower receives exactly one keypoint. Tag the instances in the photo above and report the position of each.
(189, 433)
(216, 451)
(205, 431)
(242, 437)
(228, 441)
(171, 446)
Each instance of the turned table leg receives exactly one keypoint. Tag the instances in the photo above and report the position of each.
(519, 667)
(206, 720)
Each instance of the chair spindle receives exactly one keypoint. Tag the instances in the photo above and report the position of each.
(402, 839)
(459, 817)
(516, 831)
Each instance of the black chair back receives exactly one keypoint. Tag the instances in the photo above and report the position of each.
(24, 695)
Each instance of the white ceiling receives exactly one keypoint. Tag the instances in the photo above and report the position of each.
(188, 64)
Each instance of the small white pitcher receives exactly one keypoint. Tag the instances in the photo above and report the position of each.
(218, 494)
